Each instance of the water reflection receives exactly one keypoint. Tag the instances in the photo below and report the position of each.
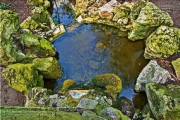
(85, 51)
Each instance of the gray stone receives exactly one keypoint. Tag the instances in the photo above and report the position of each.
(94, 64)
(92, 116)
(151, 73)
(164, 101)
(87, 103)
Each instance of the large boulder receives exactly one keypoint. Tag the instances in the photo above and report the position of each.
(164, 101)
(11, 46)
(151, 73)
(162, 43)
(176, 65)
(22, 77)
(48, 67)
(111, 82)
(150, 17)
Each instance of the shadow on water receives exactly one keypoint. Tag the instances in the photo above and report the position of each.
(85, 51)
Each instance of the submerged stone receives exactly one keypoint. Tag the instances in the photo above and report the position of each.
(162, 43)
(22, 77)
(48, 67)
(164, 100)
(149, 18)
(176, 65)
(151, 73)
(111, 82)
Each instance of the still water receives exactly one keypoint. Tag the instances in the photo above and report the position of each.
(86, 50)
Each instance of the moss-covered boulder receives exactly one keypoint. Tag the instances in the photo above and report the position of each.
(41, 23)
(44, 3)
(48, 67)
(111, 82)
(164, 100)
(176, 65)
(11, 46)
(35, 46)
(152, 72)
(22, 77)
(150, 17)
(162, 43)
(66, 85)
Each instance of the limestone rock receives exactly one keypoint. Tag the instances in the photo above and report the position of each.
(87, 103)
(48, 67)
(22, 77)
(164, 101)
(162, 43)
(149, 18)
(151, 73)
(176, 65)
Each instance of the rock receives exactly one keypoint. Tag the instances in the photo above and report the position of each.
(11, 46)
(92, 116)
(38, 96)
(67, 84)
(44, 3)
(22, 77)
(48, 67)
(87, 103)
(162, 43)
(113, 114)
(41, 24)
(126, 106)
(94, 64)
(176, 65)
(151, 73)
(111, 82)
(36, 46)
(164, 101)
(100, 47)
(149, 18)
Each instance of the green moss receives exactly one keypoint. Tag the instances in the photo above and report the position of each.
(112, 83)
(22, 77)
(176, 65)
(48, 67)
(30, 24)
(67, 84)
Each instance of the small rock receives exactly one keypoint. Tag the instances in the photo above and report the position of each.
(100, 47)
(94, 65)
(78, 93)
(87, 103)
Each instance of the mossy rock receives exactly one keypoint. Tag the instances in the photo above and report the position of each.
(67, 84)
(111, 82)
(48, 67)
(22, 77)
(162, 43)
(176, 65)
(44, 3)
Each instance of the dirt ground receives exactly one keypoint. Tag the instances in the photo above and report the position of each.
(12, 97)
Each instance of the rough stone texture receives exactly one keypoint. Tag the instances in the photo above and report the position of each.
(87, 103)
(22, 77)
(176, 65)
(164, 100)
(151, 73)
(162, 43)
(114, 114)
(149, 18)
(48, 67)
(111, 82)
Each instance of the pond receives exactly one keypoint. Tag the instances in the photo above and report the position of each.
(86, 50)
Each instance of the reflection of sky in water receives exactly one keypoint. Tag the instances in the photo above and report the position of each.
(81, 61)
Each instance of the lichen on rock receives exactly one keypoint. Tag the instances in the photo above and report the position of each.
(162, 43)
(111, 82)
(164, 100)
(176, 65)
(22, 77)
(48, 67)
(149, 18)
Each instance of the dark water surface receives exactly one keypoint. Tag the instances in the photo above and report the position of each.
(81, 58)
